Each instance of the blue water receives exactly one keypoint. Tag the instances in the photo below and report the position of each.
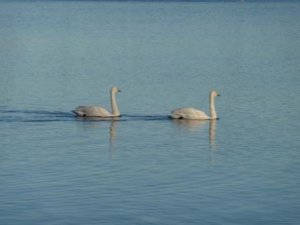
(144, 168)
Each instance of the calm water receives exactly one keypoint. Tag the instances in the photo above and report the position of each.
(144, 168)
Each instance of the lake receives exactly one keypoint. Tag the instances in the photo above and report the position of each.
(144, 168)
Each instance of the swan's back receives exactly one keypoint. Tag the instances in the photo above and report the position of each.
(92, 111)
(188, 113)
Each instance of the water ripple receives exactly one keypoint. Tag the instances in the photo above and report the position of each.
(24, 115)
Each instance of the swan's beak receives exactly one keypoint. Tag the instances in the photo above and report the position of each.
(119, 90)
(218, 95)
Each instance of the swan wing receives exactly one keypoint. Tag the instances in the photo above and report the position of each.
(189, 113)
(92, 111)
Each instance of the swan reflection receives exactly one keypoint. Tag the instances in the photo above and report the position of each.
(212, 133)
(191, 125)
(106, 125)
(112, 137)
(112, 132)
(196, 125)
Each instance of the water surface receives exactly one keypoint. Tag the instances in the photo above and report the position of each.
(144, 168)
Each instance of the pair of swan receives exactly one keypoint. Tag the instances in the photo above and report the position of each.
(181, 113)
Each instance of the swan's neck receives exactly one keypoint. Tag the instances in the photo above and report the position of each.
(213, 113)
(114, 106)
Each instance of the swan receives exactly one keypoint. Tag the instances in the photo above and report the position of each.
(96, 111)
(195, 114)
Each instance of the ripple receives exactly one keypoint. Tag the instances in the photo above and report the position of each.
(24, 115)
(20, 115)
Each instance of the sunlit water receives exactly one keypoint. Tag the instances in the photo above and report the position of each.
(144, 168)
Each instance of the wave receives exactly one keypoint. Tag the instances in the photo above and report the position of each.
(21, 115)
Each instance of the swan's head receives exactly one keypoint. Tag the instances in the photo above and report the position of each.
(115, 90)
(214, 93)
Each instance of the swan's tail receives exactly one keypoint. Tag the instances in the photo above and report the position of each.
(176, 116)
(78, 113)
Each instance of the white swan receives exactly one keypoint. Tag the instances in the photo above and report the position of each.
(96, 111)
(195, 114)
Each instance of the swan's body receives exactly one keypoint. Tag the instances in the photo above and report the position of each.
(97, 111)
(195, 114)
(92, 111)
(189, 114)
